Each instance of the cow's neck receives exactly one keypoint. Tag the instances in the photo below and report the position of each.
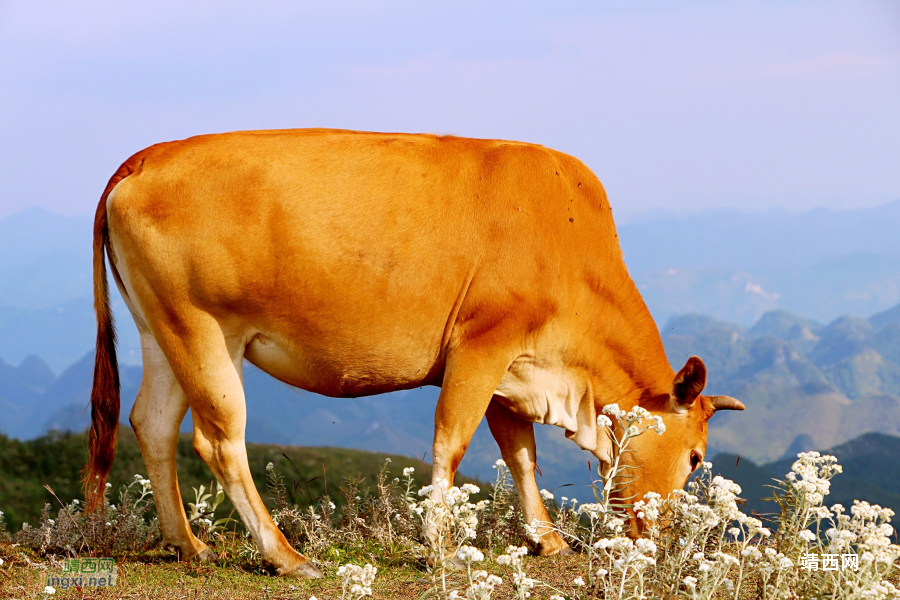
(633, 364)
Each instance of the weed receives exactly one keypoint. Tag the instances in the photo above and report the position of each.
(114, 529)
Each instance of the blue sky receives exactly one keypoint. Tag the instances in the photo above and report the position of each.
(675, 105)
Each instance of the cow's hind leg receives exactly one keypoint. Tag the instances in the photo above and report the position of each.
(156, 417)
(210, 372)
(516, 440)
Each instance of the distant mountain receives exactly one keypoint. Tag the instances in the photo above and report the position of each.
(758, 241)
(33, 400)
(859, 284)
(796, 377)
(890, 316)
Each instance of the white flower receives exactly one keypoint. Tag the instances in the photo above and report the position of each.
(408, 471)
(579, 582)
(50, 590)
(546, 495)
(472, 489)
(807, 535)
(604, 421)
(691, 582)
(470, 554)
(269, 467)
(613, 409)
(499, 463)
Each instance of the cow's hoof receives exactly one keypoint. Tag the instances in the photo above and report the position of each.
(205, 556)
(305, 570)
(454, 563)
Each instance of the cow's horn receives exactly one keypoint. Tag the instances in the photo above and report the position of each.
(726, 403)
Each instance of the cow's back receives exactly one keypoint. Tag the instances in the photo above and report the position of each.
(370, 254)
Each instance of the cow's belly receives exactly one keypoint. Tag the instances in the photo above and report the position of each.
(332, 367)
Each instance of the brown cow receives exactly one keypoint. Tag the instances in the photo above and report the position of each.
(350, 263)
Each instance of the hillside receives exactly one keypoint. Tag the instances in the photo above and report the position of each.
(57, 459)
(871, 466)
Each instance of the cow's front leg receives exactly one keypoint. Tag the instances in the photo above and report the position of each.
(515, 438)
(468, 385)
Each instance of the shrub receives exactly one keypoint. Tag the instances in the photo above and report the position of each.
(115, 529)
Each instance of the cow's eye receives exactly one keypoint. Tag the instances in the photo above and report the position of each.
(695, 461)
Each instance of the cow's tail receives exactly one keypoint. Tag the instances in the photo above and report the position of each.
(105, 390)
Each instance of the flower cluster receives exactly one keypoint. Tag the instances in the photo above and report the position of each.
(811, 475)
(521, 581)
(631, 420)
(448, 520)
(356, 581)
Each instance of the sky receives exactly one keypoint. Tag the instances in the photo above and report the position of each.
(676, 106)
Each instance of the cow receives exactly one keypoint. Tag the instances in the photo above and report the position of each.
(351, 263)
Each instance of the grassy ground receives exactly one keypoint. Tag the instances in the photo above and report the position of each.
(158, 575)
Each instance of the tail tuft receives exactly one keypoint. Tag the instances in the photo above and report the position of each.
(105, 391)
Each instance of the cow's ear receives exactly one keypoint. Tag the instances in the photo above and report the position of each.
(688, 383)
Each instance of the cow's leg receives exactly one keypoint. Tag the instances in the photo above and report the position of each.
(468, 385)
(210, 372)
(516, 440)
(156, 417)
(466, 391)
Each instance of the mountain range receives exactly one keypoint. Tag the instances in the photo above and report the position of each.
(805, 385)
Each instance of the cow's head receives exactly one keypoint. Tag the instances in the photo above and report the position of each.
(664, 462)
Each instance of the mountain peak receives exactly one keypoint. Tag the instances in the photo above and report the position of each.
(887, 317)
(35, 371)
(784, 325)
(694, 324)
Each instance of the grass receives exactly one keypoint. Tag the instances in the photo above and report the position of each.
(158, 575)
(56, 460)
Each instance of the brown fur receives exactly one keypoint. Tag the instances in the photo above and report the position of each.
(105, 389)
(350, 263)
